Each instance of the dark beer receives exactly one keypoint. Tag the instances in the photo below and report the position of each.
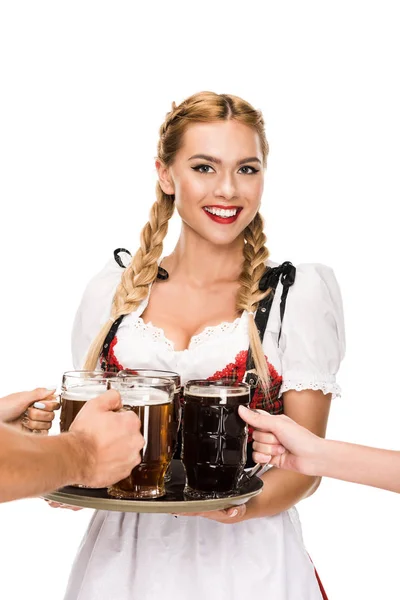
(153, 407)
(214, 439)
(175, 420)
(74, 399)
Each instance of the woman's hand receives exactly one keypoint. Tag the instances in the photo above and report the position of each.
(60, 505)
(233, 514)
(33, 411)
(281, 442)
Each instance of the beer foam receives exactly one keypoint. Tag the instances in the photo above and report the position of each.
(212, 391)
(82, 393)
(144, 396)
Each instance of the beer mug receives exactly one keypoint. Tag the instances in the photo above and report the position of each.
(176, 407)
(76, 389)
(214, 437)
(151, 398)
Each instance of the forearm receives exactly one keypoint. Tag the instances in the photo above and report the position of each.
(281, 491)
(31, 465)
(359, 464)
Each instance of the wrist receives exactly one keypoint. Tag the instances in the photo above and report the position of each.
(80, 455)
(321, 457)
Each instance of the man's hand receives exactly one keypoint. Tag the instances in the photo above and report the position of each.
(32, 411)
(111, 440)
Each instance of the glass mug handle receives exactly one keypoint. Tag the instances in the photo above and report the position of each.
(259, 469)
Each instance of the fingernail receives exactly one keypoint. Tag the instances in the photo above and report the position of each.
(24, 420)
(234, 513)
(39, 405)
(51, 388)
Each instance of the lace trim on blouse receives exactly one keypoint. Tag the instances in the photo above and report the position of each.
(299, 386)
(157, 334)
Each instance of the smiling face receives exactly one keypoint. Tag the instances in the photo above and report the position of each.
(217, 177)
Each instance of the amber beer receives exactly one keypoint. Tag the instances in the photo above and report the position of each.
(175, 407)
(214, 438)
(76, 389)
(153, 407)
(74, 399)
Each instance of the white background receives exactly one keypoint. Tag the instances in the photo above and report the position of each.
(85, 86)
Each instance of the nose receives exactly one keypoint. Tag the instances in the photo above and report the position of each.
(226, 187)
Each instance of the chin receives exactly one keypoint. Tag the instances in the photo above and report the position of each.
(221, 239)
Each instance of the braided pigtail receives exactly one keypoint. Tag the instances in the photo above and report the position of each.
(249, 295)
(141, 272)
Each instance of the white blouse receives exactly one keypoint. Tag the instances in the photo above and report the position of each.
(128, 556)
(311, 347)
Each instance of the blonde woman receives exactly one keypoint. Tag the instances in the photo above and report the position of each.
(193, 312)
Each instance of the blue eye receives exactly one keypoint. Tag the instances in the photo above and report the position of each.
(201, 168)
(252, 170)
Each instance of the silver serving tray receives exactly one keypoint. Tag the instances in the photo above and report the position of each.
(173, 502)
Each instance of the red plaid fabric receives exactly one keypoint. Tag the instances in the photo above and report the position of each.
(110, 363)
(267, 400)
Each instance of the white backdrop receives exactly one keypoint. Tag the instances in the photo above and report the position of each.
(85, 86)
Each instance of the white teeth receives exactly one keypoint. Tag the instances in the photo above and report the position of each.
(221, 212)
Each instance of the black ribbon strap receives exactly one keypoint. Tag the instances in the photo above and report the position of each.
(286, 273)
(162, 273)
(110, 336)
(117, 257)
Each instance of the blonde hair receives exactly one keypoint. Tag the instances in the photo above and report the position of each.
(203, 107)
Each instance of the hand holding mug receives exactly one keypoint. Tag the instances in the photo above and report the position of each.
(112, 440)
(281, 442)
(30, 411)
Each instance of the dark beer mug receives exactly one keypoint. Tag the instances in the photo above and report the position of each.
(151, 399)
(214, 437)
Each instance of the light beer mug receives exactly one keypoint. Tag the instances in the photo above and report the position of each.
(151, 398)
(175, 408)
(76, 389)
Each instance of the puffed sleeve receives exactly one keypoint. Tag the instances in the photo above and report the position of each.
(313, 338)
(94, 310)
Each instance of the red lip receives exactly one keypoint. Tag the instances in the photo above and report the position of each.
(223, 220)
(222, 206)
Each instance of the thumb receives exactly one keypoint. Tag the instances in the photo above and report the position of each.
(259, 419)
(20, 401)
(110, 400)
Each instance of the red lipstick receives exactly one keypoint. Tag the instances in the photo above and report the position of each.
(223, 220)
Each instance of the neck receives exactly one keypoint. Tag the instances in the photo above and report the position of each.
(200, 262)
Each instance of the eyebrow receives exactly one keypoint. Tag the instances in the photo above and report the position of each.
(218, 161)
